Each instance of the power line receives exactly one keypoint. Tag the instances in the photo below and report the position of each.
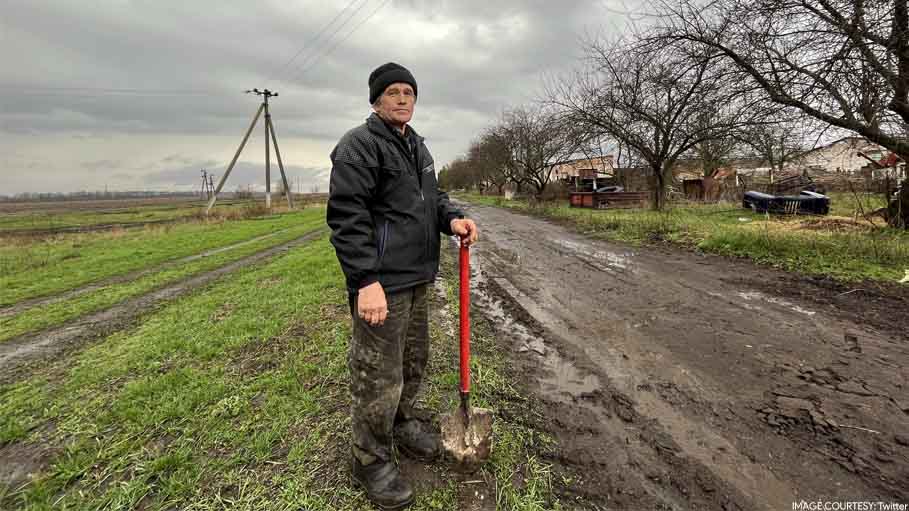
(364, 20)
(312, 41)
(313, 57)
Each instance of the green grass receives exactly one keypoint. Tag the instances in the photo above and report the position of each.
(36, 221)
(236, 397)
(41, 317)
(846, 251)
(33, 268)
(855, 205)
(39, 220)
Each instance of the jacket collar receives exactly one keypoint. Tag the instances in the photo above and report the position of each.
(378, 126)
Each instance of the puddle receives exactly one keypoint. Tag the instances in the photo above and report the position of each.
(445, 311)
(612, 260)
(566, 377)
(756, 296)
(560, 376)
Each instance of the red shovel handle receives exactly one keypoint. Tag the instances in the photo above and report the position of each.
(465, 317)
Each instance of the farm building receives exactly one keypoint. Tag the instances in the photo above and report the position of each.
(584, 173)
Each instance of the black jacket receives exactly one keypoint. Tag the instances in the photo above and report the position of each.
(385, 209)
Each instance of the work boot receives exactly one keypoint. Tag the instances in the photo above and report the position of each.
(418, 439)
(383, 484)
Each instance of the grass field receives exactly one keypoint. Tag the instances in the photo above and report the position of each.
(44, 316)
(22, 218)
(834, 246)
(234, 396)
(32, 267)
(121, 213)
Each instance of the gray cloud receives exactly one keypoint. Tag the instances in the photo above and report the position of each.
(150, 68)
(103, 164)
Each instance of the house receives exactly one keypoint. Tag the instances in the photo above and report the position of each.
(583, 168)
(847, 155)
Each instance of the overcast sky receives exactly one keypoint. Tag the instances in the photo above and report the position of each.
(142, 94)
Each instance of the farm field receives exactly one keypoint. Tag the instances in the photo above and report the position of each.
(623, 374)
(36, 218)
(230, 393)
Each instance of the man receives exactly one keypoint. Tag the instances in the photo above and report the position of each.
(386, 212)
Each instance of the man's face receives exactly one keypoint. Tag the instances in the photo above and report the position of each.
(395, 105)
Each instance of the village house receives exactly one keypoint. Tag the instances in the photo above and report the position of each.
(848, 155)
(852, 157)
(599, 167)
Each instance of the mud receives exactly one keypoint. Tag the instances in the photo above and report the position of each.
(674, 380)
(24, 305)
(467, 435)
(19, 355)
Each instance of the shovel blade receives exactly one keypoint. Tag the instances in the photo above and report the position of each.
(468, 439)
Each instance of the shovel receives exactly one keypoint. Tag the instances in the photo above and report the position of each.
(466, 432)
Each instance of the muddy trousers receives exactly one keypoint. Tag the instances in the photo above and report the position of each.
(386, 365)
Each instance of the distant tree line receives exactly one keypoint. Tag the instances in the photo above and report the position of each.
(713, 81)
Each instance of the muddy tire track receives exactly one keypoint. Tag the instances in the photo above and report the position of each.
(20, 354)
(663, 379)
(38, 301)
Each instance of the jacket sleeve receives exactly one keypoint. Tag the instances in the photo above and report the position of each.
(446, 212)
(351, 189)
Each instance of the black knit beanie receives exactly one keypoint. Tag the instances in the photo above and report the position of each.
(387, 74)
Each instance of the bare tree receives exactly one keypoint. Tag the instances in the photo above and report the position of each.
(592, 149)
(714, 153)
(491, 157)
(460, 173)
(843, 62)
(537, 138)
(779, 138)
(651, 101)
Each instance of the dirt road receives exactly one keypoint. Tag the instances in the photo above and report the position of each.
(673, 380)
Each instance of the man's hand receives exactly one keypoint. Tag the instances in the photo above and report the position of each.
(466, 229)
(371, 304)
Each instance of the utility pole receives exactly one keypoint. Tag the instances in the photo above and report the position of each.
(207, 188)
(270, 137)
(265, 95)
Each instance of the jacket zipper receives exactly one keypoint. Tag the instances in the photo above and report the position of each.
(418, 169)
(384, 242)
(413, 160)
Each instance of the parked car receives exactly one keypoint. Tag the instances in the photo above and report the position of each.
(805, 203)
